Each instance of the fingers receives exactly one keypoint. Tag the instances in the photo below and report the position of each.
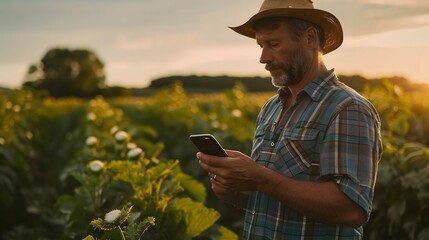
(213, 177)
(217, 187)
(208, 168)
(221, 170)
(232, 153)
(212, 160)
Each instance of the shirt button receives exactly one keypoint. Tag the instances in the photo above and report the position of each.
(272, 144)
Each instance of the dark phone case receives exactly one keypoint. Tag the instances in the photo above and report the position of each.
(208, 144)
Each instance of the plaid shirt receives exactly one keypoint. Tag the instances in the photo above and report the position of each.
(330, 134)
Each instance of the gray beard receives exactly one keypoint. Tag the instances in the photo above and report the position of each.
(282, 81)
(293, 72)
(287, 79)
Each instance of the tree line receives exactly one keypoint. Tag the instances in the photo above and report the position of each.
(64, 72)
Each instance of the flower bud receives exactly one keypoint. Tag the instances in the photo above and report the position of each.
(96, 166)
(112, 216)
(91, 141)
(236, 113)
(134, 153)
(122, 136)
(114, 129)
(91, 116)
(131, 145)
(17, 108)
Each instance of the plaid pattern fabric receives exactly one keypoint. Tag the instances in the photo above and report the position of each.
(330, 134)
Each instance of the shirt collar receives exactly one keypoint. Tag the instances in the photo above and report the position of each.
(315, 89)
(318, 87)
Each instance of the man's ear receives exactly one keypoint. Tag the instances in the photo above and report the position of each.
(312, 38)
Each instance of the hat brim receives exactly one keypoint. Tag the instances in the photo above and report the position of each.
(328, 22)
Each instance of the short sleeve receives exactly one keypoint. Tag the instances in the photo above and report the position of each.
(350, 152)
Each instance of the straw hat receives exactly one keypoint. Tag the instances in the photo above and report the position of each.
(301, 9)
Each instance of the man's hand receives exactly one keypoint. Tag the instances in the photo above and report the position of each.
(231, 174)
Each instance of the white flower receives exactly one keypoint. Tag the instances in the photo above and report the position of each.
(155, 160)
(215, 124)
(9, 105)
(91, 116)
(131, 145)
(17, 108)
(397, 90)
(114, 129)
(121, 136)
(29, 135)
(96, 166)
(236, 113)
(91, 141)
(134, 153)
(112, 215)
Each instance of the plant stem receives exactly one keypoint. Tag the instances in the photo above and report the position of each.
(122, 233)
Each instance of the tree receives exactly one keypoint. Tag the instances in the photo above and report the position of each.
(64, 73)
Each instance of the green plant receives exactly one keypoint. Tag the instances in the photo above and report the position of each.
(401, 202)
(113, 171)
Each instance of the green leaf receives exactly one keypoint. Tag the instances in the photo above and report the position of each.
(186, 218)
(219, 232)
(193, 187)
(227, 234)
(134, 231)
(400, 124)
(163, 169)
(111, 234)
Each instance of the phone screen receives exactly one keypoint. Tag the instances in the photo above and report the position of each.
(208, 144)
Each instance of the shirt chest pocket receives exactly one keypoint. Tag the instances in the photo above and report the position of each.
(295, 153)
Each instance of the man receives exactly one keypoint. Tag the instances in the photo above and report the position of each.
(314, 160)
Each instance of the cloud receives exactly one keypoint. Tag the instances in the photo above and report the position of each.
(139, 40)
(141, 43)
(399, 2)
(364, 17)
(402, 38)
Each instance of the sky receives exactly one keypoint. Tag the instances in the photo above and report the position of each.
(141, 40)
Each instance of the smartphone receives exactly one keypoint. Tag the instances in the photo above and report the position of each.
(208, 144)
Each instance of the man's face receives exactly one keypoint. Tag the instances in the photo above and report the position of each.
(283, 57)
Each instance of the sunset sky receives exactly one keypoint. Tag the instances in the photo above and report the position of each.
(139, 40)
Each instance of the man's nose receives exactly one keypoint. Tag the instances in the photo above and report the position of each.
(265, 56)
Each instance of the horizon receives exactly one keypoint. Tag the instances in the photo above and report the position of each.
(340, 75)
(138, 42)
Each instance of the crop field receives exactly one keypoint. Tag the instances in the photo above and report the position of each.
(125, 168)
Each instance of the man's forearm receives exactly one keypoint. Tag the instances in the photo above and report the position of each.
(323, 202)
